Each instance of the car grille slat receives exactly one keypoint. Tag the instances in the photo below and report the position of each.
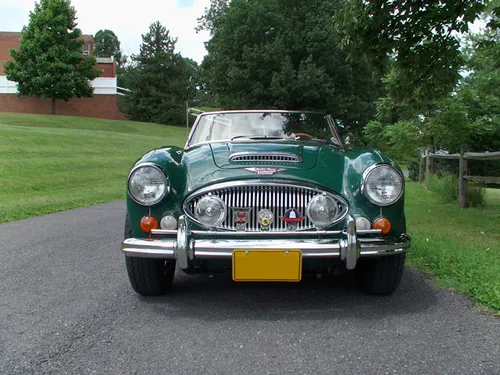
(272, 158)
(277, 197)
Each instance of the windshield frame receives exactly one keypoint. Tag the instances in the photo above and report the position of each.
(335, 139)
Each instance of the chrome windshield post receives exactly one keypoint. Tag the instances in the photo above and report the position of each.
(333, 129)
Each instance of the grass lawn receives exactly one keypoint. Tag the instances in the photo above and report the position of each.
(54, 163)
(460, 247)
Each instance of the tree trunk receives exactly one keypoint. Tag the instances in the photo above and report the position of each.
(53, 107)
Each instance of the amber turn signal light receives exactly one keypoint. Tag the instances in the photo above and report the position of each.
(383, 224)
(148, 223)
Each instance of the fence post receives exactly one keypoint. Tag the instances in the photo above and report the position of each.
(428, 164)
(421, 171)
(462, 182)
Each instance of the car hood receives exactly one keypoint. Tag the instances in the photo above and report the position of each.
(290, 155)
(320, 164)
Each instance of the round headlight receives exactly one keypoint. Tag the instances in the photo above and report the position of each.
(211, 211)
(147, 185)
(322, 210)
(382, 185)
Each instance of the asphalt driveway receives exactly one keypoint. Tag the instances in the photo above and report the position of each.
(66, 307)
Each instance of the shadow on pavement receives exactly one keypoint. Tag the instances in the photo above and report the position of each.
(220, 298)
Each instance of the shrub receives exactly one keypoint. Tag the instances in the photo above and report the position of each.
(413, 169)
(476, 194)
(446, 188)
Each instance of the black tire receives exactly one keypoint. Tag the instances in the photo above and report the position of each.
(380, 276)
(149, 276)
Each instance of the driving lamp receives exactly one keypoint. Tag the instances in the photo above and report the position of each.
(322, 210)
(210, 210)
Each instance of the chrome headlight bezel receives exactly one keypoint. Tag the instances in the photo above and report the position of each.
(163, 174)
(364, 183)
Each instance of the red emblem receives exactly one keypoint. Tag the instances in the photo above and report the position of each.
(241, 217)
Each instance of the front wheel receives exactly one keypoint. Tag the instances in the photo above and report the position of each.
(149, 276)
(382, 275)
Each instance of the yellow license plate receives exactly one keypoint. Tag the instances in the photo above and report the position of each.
(267, 265)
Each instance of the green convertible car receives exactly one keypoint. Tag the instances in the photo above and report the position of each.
(267, 195)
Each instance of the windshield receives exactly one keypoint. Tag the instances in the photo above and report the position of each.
(263, 125)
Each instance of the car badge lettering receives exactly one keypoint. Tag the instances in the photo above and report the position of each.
(265, 171)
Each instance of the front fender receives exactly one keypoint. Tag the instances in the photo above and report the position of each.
(171, 160)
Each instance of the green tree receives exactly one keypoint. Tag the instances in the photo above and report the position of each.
(50, 62)
(277, 53)
(106, 44)
(210, 20)
(160, 80)
(480, 90)
(470, 114)
(422, 38)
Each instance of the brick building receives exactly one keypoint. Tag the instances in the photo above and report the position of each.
(102, 105)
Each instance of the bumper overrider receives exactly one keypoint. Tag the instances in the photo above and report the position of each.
(185, 245)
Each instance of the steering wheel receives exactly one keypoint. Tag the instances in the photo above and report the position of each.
(304, 135)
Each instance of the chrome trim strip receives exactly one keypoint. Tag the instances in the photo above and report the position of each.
(172, 232)
(253, 234)
(209, 233)
(369, 231)
(304, 245)
(365, 174)
(260, 157)
(262, 110)
(148, 249)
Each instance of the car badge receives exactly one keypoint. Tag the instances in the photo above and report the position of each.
(292, 215)
(241, 217)
(266, 218)
(265, 171)
(292, 218)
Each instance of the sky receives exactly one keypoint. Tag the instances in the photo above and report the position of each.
(127, 19)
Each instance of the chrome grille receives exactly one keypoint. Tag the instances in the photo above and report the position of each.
(277, 197)
(264, 158)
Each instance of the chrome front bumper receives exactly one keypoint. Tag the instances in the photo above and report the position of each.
(185, 245)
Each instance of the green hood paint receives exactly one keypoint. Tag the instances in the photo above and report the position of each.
(308, 153)
(322, 165)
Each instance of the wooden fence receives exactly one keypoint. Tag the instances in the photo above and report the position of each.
(426, 166)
